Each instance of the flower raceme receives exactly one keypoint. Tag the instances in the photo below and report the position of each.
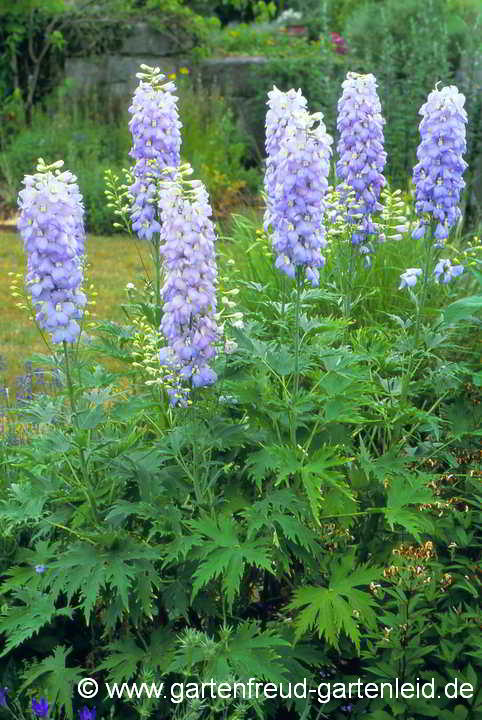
(297, 166)
(51, 225)
(438, 173)
(156, 137)
(189, 293)
(438, 176)
(360, 151)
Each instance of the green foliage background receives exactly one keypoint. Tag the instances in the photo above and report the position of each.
(325, 528)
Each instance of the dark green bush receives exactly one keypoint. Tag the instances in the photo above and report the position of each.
(87, 148)
(409, 46)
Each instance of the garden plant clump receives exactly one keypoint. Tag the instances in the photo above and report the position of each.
(271, 470)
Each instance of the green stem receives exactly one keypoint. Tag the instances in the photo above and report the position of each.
(73, 408)
(193, 473)
(72, 532)
(296, 379)
(157, 264)
(423, 295)
(349, 285)
(283, 295)
(370, 511)
(69, 382)
(418, 323)
(299, 283)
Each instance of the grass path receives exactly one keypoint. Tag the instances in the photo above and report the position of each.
(112, 263)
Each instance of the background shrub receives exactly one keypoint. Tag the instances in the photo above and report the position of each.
(86, 145)
(89, 143)
(409, 47)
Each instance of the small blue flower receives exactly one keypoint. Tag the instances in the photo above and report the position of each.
(40, 708)
(86, 714)
(409, 277)
(445, 271)
(40, 569)
(3, 697)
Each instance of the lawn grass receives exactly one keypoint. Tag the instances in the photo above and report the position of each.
(112, 263)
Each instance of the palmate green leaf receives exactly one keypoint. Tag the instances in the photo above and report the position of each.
(29, 611)
(24, 504)
(161, 651)
(123, 509)
(329, 610)
(90, 418)
(57, 680)
(92, 571)
(132, 407)
(123, 659)
(252, 652)
(225, 555)
(284, 513)
(225, 434)
(342, 410)
(281, 361)
(278, 459)
(24, 575)
(146, 581)
(319, 472)
(256, 349)
(464, 419)
(336, 384)
(336, 503)
(403, 494)
(386, 466)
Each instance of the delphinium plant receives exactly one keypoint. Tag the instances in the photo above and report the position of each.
(51, 223)
(298, 150)
(361, 157)
(163, 206)
(296, 180)
(438, 181)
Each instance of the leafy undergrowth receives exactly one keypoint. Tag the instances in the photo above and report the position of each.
(313, 517)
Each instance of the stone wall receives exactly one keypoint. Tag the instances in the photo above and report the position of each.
(113, 77)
